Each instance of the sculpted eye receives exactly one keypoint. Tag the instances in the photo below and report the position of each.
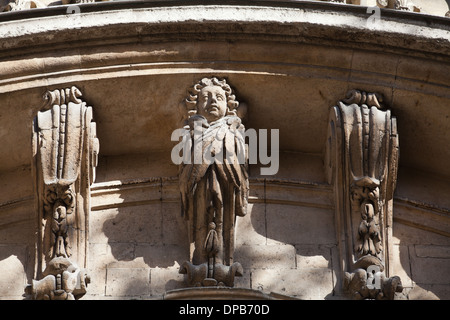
(219, 97)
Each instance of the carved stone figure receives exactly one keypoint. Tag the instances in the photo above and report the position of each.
(213, 181)
(406, 5)
(356, 283)
(17, 5)
(65, 156)
(63, 280)
(362, 160)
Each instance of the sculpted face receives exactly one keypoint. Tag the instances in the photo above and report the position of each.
(212, 103)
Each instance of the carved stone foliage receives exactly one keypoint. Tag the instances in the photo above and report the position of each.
(213, 181)
(65, 156)
(361, 160)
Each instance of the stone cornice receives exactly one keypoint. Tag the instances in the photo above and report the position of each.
(292, 21)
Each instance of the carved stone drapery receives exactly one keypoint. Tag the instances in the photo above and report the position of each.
(65, 150)
(213, 182)
(361, 160)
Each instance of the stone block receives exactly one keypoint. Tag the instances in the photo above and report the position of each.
(165, 279)
(17, 222)
(127, 282)
(266, 256)
(423, 293)
(141, 223)
(251, 229)
(312, 284)
(401, 265)
(162, 255)
(430, 264)
(299, 225)
(12, 274)
(174, 226)
(313, 256)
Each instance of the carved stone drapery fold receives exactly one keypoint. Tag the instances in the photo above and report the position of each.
(65, 150)
(361, 161)
(213, 182)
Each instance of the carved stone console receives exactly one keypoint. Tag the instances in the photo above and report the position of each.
(65, 149)
(361, 161)
(213, 181)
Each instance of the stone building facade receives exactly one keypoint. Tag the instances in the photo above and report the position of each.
(342, 191)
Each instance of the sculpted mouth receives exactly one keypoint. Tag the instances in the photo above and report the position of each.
(213, 108)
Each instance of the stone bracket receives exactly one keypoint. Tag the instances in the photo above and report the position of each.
(65, 153)
(200, 275)
(361, 162)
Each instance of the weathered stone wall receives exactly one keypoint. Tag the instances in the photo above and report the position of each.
(289, 65)
(139, 239)
(286, 244)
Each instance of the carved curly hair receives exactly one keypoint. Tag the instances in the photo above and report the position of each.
(191, 101)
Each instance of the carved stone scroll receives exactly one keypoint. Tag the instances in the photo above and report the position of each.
(361, 161)
(213, 182)
(65, 150)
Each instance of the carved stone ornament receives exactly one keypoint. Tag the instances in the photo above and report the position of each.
(361, 161)
(213, 181)
(18, 5)
(65, 155)
(406, 5)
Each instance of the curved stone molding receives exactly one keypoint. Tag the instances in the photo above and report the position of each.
(405, 5)
(219, 293)
(362, 160)
(65, 156)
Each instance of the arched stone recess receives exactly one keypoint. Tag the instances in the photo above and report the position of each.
(134, 62)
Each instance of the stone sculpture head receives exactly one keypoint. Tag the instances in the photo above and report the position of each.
(211, 98)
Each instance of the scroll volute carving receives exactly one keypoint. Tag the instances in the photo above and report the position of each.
(361, 160)
(65, 150)
(213, 182)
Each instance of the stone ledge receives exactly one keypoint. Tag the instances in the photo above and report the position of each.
(219, 293)
(294, 20)
(117, 5)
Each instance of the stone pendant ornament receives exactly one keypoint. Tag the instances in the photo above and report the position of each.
(361, 161)
(213, 182)
(65, 151)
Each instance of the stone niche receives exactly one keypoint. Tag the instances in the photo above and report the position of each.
(288, 66)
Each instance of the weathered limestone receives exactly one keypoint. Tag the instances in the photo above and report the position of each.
(65, 155)
(213, 182)
(436, 7)
(290, 68)
(362, 157)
